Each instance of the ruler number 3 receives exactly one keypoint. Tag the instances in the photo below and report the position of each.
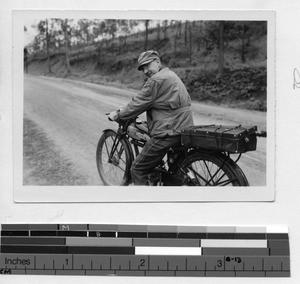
(220, 263)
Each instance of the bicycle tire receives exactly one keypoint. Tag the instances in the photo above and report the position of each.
(242, 177)
(210, 169)
(117, 171)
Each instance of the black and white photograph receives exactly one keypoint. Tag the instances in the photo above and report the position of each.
(124, 106)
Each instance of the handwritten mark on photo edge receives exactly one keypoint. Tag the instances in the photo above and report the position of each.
(296, 79)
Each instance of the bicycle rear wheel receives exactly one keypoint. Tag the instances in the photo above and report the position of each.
(113, 170)
(208, 169)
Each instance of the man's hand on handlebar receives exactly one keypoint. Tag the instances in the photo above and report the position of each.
(113, 116)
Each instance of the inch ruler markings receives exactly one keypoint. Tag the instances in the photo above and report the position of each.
(140, 250)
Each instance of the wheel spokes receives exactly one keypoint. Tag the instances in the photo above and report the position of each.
(197, 175)
(208, 173)
(226, 182)
(113, 164)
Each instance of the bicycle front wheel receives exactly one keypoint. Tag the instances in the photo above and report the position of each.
(113, 168)
(208, 169)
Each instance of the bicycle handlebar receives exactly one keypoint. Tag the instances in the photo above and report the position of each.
(122, 122)
(108, 117)
(107, 113)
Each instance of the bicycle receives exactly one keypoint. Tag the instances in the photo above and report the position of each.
(182, 165)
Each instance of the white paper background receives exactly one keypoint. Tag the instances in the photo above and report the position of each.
(284, 211)
(131, 193)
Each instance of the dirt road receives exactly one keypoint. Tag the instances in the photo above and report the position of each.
(67, 119)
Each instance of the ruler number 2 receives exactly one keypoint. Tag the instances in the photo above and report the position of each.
(142, 262)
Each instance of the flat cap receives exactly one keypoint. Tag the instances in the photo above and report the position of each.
(147, 57)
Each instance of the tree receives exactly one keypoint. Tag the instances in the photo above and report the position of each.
(243, 49)
(110, 30)
(86, 31)
(36, 45)
(211, 35)
(124, 29)
(199, 39)
(191, 44)
(99, 28)
(48, 46)
(43, 39)
(66, 28)
(146, 34)
(241, 32)
(179, 29)
(165, 23)
(186, 33)
(64, 34)
(158, 32)
(221, 48)
(177, 35)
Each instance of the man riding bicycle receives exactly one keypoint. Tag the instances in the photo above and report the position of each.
(168, 106)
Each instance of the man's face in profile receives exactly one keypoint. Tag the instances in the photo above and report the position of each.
(151, 68)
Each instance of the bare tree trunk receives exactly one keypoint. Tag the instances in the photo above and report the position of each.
(191, 44)
(200, 36)
(186, 32)
(48, 43)
(26, 60)
(221, 48)
(146, 34)
(120, 44)
(249, 39)
(179, 29)
(165, 28)
(198, 43)
(112, 44)
(243, 51)
(67, 46)
(176, 39)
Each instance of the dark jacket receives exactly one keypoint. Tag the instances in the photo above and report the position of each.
(167, 103)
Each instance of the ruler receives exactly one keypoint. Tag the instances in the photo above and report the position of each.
(142, 250)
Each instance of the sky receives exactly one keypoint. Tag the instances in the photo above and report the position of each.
(31, 32)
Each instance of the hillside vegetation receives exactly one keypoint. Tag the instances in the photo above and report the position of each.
(220, 63)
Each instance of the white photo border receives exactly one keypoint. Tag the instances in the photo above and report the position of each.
(133, 193)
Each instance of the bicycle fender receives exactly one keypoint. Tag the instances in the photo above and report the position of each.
(108, 129)
(214, 153)
(192, 152)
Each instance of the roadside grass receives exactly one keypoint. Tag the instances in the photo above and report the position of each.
(42, 162)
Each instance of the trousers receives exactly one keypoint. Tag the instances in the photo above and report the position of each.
(150, 157)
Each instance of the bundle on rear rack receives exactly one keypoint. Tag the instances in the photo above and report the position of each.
(231, 139)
